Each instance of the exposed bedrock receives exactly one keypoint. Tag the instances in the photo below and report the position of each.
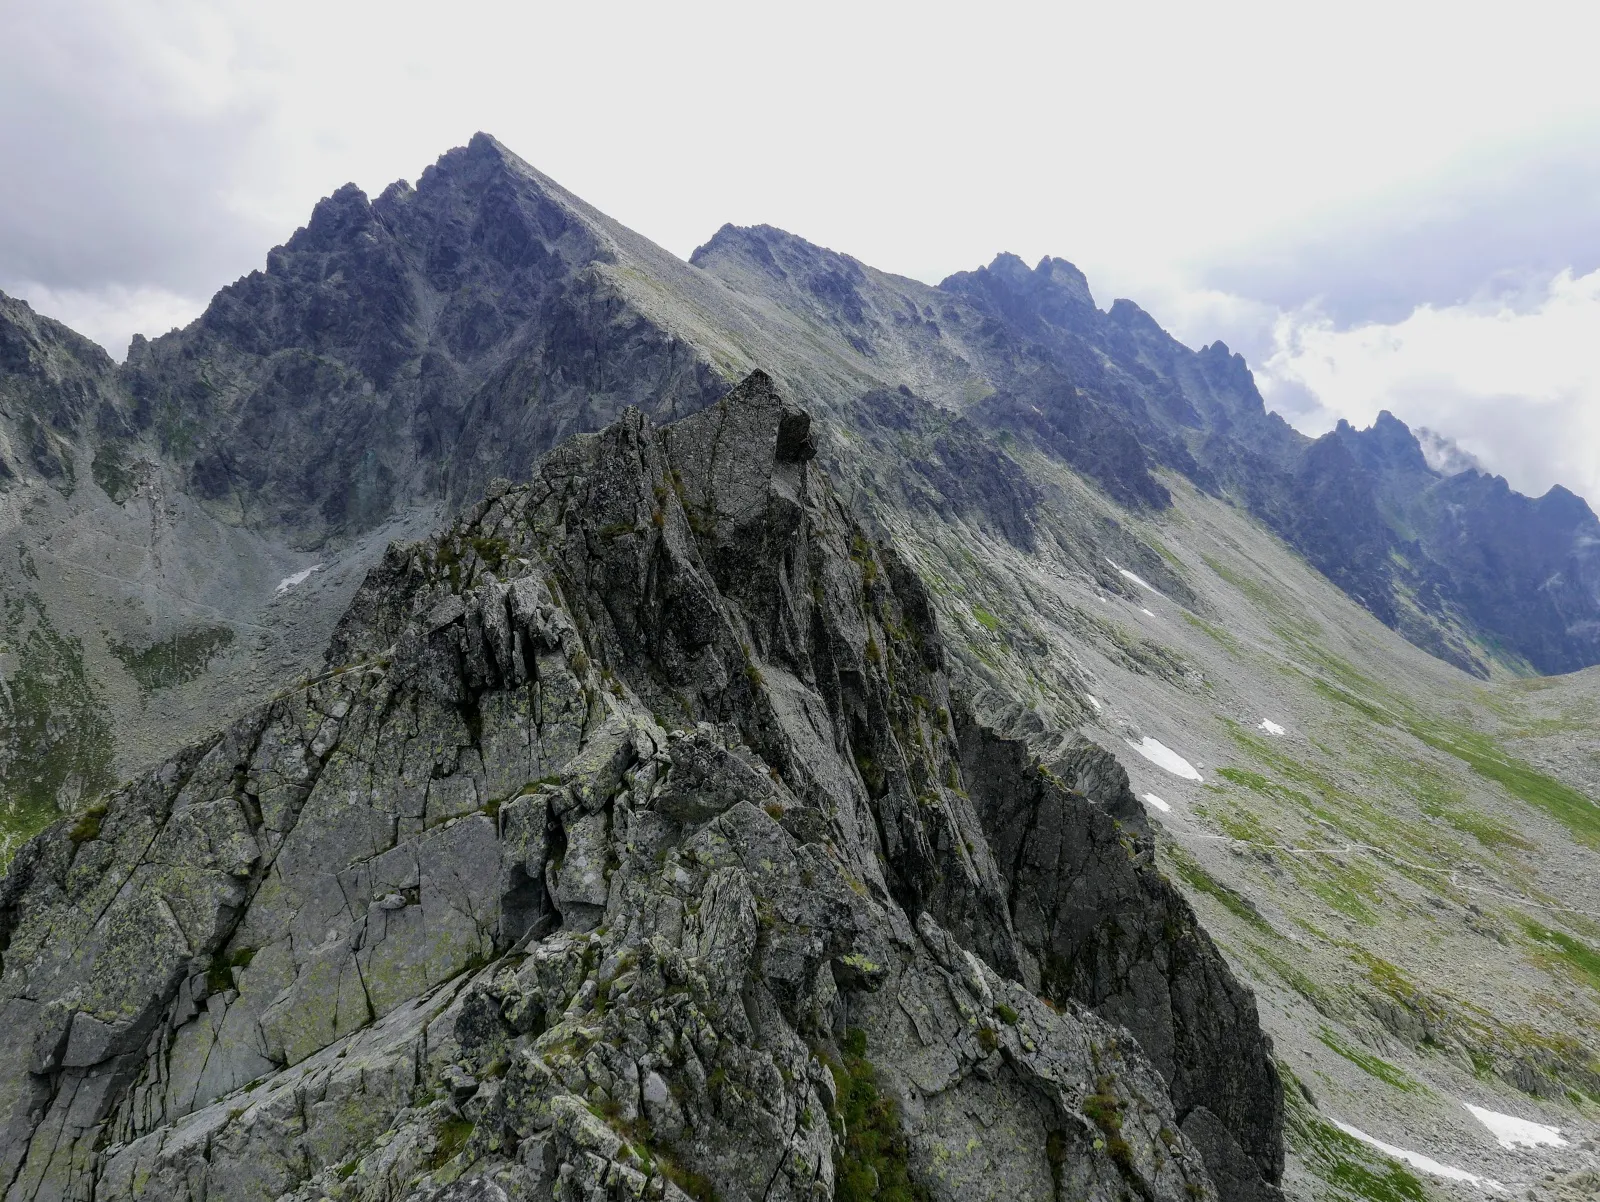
(634, 845)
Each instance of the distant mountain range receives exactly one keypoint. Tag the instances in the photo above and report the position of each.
(405, 350)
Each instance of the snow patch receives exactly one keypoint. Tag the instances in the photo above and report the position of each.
(1146, 612)
(288, 582)
(1162, 756)
(1271, 727)
(1094, 701)
(1152, 799)
(1127, 575)
(1514, 1132)
(1417, 1160)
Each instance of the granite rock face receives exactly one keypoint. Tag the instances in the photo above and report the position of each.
(405, 348)
(633, 845)
(1093, 927)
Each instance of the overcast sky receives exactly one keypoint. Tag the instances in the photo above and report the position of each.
(1383, 205)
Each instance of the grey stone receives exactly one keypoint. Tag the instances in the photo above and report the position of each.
(499, 936)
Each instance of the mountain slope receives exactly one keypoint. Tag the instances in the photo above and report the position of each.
(668, 744)
(397, 355)
(1115, 538)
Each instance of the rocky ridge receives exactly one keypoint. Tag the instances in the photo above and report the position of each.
(398, 353)
(1400, 865)
(635, 844)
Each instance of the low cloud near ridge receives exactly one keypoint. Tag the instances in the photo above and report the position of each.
(1514, 382)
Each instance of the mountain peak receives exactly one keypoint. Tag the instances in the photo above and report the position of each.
(1055, 293)
(486, 145)
(1388, 445)
(334, 219)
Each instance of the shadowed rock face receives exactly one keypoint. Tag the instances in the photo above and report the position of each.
(1096, 926)
(55, 387)
(1461, 566)
(403, 349)
(633, 839)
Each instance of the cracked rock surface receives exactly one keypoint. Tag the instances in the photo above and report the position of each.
(634, 845)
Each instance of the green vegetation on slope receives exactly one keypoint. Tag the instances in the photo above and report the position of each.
(1351, 1171)
(55, 735)
(1201, 881)
(1375, 1066)
(874, 1162)
(173, 660)
(1480, 752)
(1579, 957)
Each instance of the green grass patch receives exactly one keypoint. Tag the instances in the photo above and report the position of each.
(1276, 757)
(174, 660)
(872, 1160)
(451, 1137)
(1241, 824)
(57, 748)
(1370, 710)
(1353, 1171)
(986, 619)
(87, 827)
(1347, 887)
(1105, 1112)
(1375, 1066)
(1215, 633)
(1437, 798)
(219, 976)
(1249, 780)
(1490, 832)
(1201, 881)
(1579, 957)
(1522, 780)
(1480, 752)
(112, 473)
(1292, 977)
(1393, 1183)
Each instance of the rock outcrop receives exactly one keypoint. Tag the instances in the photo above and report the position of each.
(633, 845)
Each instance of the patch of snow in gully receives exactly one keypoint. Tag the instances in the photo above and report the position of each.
(1417, 1160)
(1162, 756)
(1514, 1132)
(288, 582)
(1146, 612)
(1139, 580)
(1152, 799)
(1271, 727)
(1094, 701)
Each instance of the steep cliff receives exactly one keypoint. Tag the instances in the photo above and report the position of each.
(634, 844)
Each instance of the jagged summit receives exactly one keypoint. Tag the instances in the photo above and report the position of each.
(1054, 292)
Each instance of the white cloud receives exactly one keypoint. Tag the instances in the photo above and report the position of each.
(1516, 385)
(922, 138)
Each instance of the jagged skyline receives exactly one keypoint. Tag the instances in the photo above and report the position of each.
(1422, 243)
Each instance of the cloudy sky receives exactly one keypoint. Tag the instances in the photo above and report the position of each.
(1383, 205)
